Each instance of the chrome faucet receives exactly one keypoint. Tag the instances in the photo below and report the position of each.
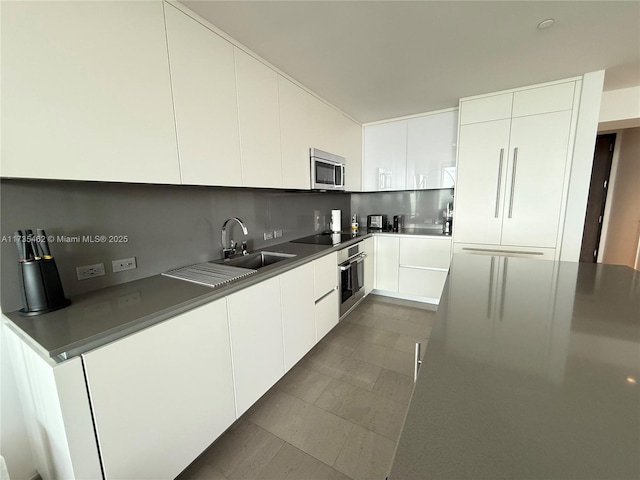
(228, 251)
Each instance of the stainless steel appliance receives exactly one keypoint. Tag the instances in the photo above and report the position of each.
(398, 223)
(351, 270)
(327, 170)
(376, 222)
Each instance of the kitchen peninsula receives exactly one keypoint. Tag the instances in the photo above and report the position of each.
(532, 371)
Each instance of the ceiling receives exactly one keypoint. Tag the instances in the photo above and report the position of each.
(382, 59)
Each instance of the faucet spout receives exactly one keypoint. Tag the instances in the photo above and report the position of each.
(229, 249)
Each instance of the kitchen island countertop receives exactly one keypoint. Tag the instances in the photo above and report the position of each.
(532, 371)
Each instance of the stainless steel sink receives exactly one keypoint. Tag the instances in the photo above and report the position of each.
(256, 260)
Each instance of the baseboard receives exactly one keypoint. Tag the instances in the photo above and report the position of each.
(427, 303)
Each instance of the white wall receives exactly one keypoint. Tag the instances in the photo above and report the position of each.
(14, 443)
(620, 108)
(620, 243)
(582, 162)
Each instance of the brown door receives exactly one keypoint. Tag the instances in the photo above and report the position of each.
(602, 158)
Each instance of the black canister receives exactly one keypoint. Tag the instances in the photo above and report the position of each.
(41, 287)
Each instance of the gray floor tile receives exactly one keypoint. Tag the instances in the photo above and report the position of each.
(402, 326)
(201, 470)
(401, 362)
(394, 386)
(243, 451)
(377, 336)
(376, 307)
(325, 359)
(365, 455)
(364, 318)
(291, 463)
(408, 344)
(359, 373)
(343, 345)
(422, 317)
(363, 408)
(303, 383)
(317, 432)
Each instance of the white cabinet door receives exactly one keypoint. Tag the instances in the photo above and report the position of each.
(294, 135)
(351, 139)
(255, 322)
(431, 151)
(326, 274)
(486, 109)
(425, 252)
(420, 282)
(86, 93)
(259, 116)
(535, 177)
(385, 156)
(480, 188)
(387, 256)
(161, 396)
(204, 92)
(298, 318)
(552, 98)
(368, 246)
(326, 312)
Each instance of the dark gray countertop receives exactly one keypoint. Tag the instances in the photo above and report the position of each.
(97, 318)
(532, 371)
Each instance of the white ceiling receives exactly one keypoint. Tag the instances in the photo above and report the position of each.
(382, 59)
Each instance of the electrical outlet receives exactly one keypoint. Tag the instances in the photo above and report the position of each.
(90, 271)
(277, 233)
(124, 264)
(268, 235)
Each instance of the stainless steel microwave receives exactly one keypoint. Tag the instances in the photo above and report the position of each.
(327, 170)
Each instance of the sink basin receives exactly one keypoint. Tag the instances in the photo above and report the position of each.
(257, 260)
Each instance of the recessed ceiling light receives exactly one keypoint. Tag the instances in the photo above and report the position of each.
(545, 23)
(631, 380)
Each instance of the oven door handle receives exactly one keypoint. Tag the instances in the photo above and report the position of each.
(356, 259)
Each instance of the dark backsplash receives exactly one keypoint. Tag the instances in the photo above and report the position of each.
(422, 209)
(166, 226)
(169, 226)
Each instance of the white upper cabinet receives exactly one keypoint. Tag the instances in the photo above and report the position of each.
(204, 93)
(259, 116)
(512, 172)
(431, 151)
(294, 135)
(385, 156)
(86, 92)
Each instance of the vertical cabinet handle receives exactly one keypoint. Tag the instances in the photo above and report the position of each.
(499, 182)
(418, 362)
(504, 287)
(490, 302)
(513, 180)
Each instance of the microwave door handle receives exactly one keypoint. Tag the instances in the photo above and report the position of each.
(342, 176)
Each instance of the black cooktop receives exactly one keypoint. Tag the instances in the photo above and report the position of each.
(326, 238)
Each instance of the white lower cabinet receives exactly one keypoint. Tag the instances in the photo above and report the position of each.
(368, 247)
(255, 323)
(387, 255)
(327, 314)
(412, 267)
(162, 395)
(326, 294)
(298, 313)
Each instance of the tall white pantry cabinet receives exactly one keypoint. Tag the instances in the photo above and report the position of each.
(513, 170)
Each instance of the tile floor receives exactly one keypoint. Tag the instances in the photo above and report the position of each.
(338, 413)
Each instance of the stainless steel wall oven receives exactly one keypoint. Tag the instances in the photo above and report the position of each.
(351, 270)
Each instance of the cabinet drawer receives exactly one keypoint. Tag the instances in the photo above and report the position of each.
(425, 252)
(326, 274)
(326, 312)
(496, 107)
(421, 282)
(553, 98)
